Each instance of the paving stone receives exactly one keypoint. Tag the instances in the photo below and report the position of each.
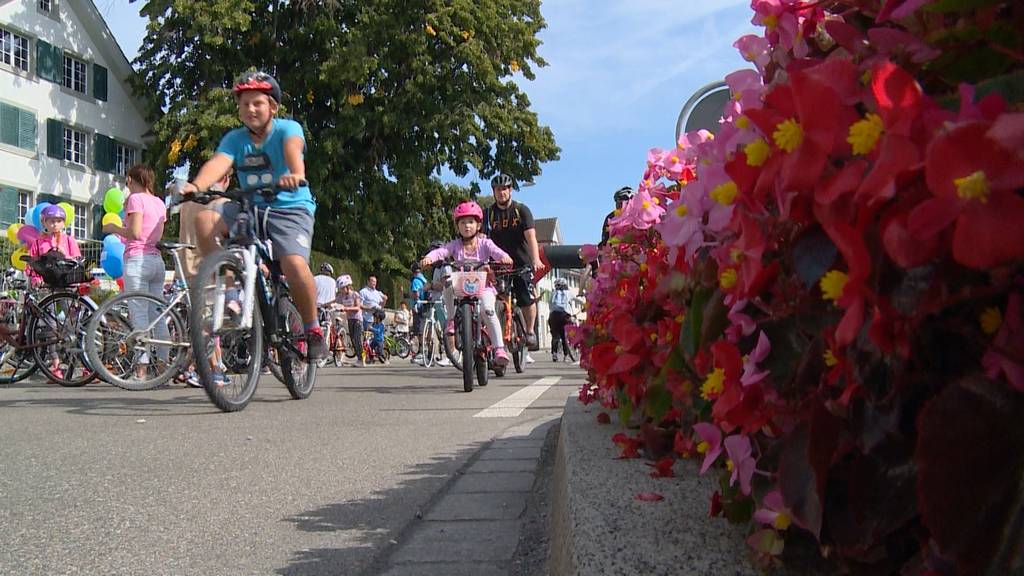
(495, 506)
(513, 443)
(493, 541)
(525, 453)
(500, 482)
(446, 569)
(502, 466)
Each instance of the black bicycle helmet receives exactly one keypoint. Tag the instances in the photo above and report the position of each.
(258, 82)
(415, 267)
(623, 194)
(502, 180)
(327, 269)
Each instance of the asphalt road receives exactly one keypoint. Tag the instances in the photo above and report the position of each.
(98, 480)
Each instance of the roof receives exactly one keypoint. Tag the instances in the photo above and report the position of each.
(547, 231)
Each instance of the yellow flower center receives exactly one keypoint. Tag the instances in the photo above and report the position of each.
(782, 521)
(675, 158)
(725, 194)
(646, 204)
(973, 187)
(653, 337)
(643, 266)
(736, 255)
(728, 278)
(743, 122)
(771, 21)
(713, 385)
(679, 318)
(619, 350)
(864, 134)
(729, 465)
(830, 358)
(832, 285)
(991, 320)
(757, 152)
(682, 210)
(703, 447)
(788, 135)
(656, 200)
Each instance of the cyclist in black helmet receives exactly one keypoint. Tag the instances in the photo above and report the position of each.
(622, 195)
(510, 225)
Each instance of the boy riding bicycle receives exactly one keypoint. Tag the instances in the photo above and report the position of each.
(268, 152)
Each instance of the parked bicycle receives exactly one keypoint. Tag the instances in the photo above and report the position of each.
(239, 298)
(432, 335)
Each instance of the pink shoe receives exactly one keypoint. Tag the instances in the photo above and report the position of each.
(449, 328)
(500, 357)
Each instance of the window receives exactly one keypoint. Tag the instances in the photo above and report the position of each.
(124, 158)
(13, 50)
(45, 5)
(78, 227)
(74, 146)
(24, 203)
(74, 74)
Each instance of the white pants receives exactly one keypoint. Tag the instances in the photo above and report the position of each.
(146, 273)
(491, 321)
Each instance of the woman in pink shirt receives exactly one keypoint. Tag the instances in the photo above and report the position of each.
(145, 215)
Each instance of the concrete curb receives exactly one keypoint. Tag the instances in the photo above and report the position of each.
(598, 527)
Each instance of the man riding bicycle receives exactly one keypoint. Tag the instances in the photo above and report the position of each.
(268, 152)
(510, 225)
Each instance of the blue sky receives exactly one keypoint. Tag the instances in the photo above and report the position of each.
(619, 71)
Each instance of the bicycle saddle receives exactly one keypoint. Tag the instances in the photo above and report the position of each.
(163, 245)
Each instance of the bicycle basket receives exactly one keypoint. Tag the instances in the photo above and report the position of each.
(469, 284)
(58, 271)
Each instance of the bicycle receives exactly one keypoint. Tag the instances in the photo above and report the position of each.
(468, 284)
(51, 329)
(513, 324)
(397, 344)
(236, 304)
(432, 334)
(119, 350)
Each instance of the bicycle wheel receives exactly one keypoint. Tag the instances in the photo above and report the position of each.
(227, 357)
(132, 357)
(402, 347)
(517, 345)
(61, 320)
(466, 339)
(481, 371)
(428, 344)
(16, 365)
(299, 374)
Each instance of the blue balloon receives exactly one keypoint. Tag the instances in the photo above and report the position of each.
(35, 212)
(111, 240)
(113, 265)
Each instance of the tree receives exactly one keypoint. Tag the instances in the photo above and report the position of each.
(391, 93)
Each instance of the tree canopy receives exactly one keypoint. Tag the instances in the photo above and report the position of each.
(391, 94)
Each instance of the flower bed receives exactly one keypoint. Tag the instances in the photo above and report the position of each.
(823, 301)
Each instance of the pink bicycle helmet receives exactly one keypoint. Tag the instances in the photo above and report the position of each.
(468, 208)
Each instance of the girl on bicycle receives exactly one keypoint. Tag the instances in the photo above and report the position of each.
(145, 215)
(472, 245)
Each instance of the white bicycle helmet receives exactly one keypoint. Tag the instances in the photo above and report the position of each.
(344, 280)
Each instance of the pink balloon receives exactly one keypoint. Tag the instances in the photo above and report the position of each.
(27, 234)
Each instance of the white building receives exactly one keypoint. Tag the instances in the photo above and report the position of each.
(69, 124)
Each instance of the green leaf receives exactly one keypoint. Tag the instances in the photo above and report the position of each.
(1009, 86)
(944, 6)
(689, 336)
(658, 401)
(625, 408)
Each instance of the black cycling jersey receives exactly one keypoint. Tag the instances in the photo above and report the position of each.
(507, 228)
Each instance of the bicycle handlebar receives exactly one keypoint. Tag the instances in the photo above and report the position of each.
(235, 194)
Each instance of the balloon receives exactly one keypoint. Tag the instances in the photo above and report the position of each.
(69, 212)
(35, 214)
(16, 258)
(113, 265)
(111, 240)
(27, 234)
(12, 233)
(113, 200)
(114, 219)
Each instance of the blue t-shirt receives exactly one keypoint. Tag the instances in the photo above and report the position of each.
(261, 166)
(378, 332)
(418, 287)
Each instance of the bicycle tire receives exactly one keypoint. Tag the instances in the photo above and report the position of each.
(71, 331)
(427, 344)
(226, 397)
(112, 316)
(402, 347)
(466, 334)
(299, 374)
(22, 364)
(482, 370)
(518, 342)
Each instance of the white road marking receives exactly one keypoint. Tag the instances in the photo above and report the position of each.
(519, 400)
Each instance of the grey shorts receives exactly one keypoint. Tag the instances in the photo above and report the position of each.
(290, 229)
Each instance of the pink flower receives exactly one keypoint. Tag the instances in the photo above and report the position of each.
(740, 324)
(588, 252)
(751, 373)
(781, 24)
(1009, 337)
(740, 462)
(710, 444)
(754, 49)
(775, 512)
(641, 212)
(746, 88)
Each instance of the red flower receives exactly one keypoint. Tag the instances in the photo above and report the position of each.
(663, 468)
(630, 446)
(649, 497)
(716, 505)
(974, 181)
(604, 418)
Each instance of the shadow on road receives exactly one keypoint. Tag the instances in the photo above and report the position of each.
(365, 522)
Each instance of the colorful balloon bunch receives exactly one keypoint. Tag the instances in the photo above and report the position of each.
(25, 234)
(112, 256)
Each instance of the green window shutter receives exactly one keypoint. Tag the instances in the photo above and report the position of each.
(48, 61)
(97, 221)
(104, 153)
(8, 206)
(27, 130)
(54, 138)
(99, 82)
(9, 124)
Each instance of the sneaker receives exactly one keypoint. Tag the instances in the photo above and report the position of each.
(529, 359)
(444, 362)
(417, 359)
(500, 357)
(221, 379)
(265, 370)
(192, 379)
(449, 328)
(554, 357)
(316, 344)
(531, 342)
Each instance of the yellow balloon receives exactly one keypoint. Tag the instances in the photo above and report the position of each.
(69, 213)
(12, 233)
(16, 258)
(111, 218)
